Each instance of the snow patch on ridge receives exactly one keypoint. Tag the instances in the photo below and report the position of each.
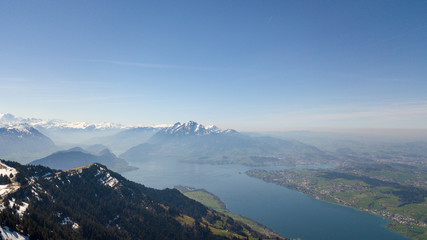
(20, 208)
(107, 179)
(68, 221)
(6, 233)
(8, 188)
(6, 170)
(110, 181)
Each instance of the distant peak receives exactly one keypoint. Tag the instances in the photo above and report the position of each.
(7, 117)
(24, 129)
(192, 128)
(106, 152)
(75, 149)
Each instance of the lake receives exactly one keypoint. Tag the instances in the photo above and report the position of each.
(286, 211)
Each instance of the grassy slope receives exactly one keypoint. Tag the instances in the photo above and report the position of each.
(210, 200)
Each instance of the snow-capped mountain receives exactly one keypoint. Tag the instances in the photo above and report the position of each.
(66, 133)
(23, 142)
(20, 131)
(7, 119)
(193, 129)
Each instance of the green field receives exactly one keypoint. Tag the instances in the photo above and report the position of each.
(404, 206)
(210, 200)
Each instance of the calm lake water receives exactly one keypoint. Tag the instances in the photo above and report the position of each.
(286, 211)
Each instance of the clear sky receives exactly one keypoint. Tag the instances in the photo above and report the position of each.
(248, 65)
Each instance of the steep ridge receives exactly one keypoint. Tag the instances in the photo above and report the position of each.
(93, 202)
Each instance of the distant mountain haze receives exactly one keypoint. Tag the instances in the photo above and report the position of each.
(23, 143)
(193, 142)
(189, 142)
(66, 133)
(77, 157)
(125, 139)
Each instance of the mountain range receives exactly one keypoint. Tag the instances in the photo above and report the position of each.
(11, 120)
(93, 202)
(189, 142)
(193, 142)
(66, 133)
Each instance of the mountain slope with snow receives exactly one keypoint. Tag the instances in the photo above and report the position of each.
(23, 143)
(92, 202)
(192, 129)
(192, 142)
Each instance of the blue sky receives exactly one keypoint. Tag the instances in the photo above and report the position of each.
(248, 65)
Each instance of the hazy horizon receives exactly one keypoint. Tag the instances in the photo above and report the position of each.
(379, 132)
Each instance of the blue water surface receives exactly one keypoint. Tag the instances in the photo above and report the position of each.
(286, 211)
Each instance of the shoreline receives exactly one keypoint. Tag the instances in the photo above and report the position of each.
(391, 218)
